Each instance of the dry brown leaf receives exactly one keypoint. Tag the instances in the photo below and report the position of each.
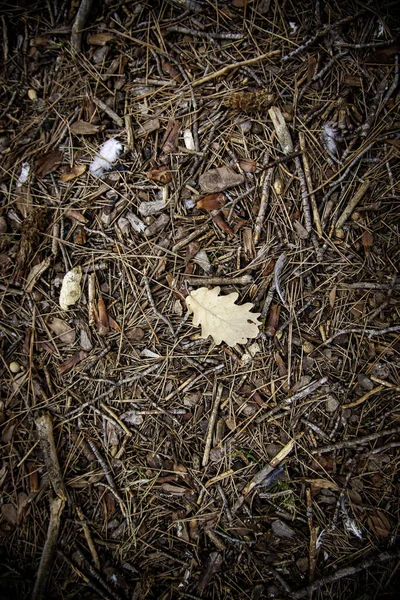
(99, 39)
(72, 362)
(134, 334)
(379, 524)
(213, 566)
(220, 222)
(212, 201)
(332, 296)
(48, 163)
(162, 175)
(367, 240)
(64, 333)
(248, 165)
(23, 506)
(103, 325)
(175, 490)
(150, 125)
(9, 513)
(358, 309)
(83, 128)
(73, 173)
(35, 273)
(171, 71)
(170, 140)
(8, 431)
(221, 318)
(220, 179)
(321, 484)
(273, 320)
(75, 215)
(33, 479)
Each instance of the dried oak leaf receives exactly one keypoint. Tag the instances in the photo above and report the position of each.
(221, 318)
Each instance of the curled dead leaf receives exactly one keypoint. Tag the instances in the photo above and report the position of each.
(171, 71)
(72, 362)
(248, 165)
(170, 140)
(273, 320)
(48, 163)
(220, 222)
(379, 524)
(9, 513)
(75, 215)
(212, 201)
(73, 173)
(135, 334)
(321, 484)
(103, 325)
(83, 128)
(99, 39)
(63, 332)
(162, 175)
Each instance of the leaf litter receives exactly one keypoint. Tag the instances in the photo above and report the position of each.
(163, 150)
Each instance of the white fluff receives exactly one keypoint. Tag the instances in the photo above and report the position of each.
(330, 138)
(24, 174)
(108, 154)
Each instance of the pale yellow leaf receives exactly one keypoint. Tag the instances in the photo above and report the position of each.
(221, 318)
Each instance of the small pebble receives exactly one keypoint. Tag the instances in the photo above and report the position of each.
(245, 126)
(100, 54)
(331, 404)
(339, 233)
(308, 347)
(282, 530)
(365, 382)
(15, 367)
(3, 225)
(381, 371)
(279, 187)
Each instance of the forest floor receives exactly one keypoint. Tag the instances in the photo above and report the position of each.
(252, 147)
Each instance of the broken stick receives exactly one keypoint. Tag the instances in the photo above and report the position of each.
(44, 427)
